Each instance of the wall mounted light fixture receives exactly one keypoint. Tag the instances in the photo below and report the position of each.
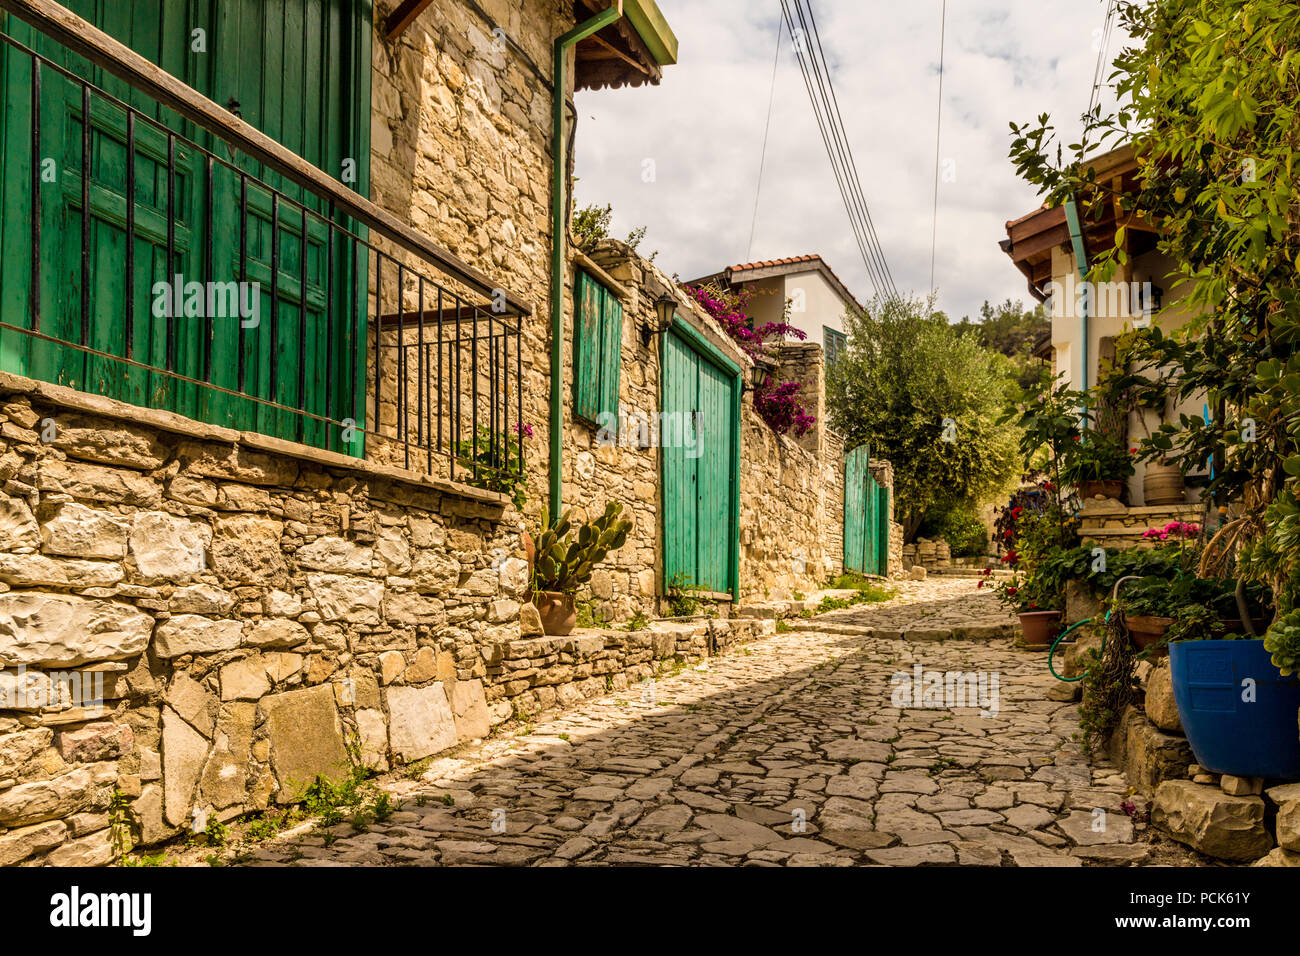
(665, 309)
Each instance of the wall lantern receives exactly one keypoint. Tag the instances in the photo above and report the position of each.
(665, 309)
(758, 374)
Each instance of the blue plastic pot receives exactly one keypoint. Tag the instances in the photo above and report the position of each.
(1256, 738)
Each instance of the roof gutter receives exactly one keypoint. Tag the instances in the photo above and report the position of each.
(560, 241)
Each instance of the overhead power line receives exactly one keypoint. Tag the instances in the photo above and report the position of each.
(811, 57)
(762, 156)
(1099, 71)
(938, 129)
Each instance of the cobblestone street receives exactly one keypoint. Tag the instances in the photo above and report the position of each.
(786, 751)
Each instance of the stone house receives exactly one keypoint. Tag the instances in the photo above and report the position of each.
(276, 321)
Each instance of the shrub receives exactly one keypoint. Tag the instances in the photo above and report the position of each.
(961, 526)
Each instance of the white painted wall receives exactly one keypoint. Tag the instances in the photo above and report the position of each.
(816, 304)
(1110, 316)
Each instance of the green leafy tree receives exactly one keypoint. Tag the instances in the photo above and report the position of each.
(928, 397)
(1208, 93)
(1013, 330)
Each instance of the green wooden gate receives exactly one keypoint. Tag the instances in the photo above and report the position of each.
(299, 70)
(700, 445)
(866, 516)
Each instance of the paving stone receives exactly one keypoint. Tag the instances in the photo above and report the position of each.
(790, 754)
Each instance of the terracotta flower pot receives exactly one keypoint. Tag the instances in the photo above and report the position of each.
(1112, 488)
(1162, 485)
(1145, 631)
(1039, 627)
(558, 612)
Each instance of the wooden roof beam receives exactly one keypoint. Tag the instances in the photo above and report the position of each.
(403, 17)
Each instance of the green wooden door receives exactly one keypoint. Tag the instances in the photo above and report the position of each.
(699, 433)
(296, 69)
(866, 516)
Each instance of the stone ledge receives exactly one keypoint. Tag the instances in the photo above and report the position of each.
(1148, 755)
(89, 403)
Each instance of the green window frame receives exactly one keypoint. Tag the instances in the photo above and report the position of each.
(597, 352)
(836, 343)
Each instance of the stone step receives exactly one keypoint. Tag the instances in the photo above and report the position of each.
(959, 632)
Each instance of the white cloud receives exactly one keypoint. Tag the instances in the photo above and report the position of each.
(1006, 60)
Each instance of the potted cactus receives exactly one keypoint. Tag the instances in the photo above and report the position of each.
(565, 559)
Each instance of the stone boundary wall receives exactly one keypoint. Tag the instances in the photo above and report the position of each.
(204, 626)
(249, 619)
(537, 673)
(791, 513)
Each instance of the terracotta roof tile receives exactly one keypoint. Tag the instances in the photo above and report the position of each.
(731, 271)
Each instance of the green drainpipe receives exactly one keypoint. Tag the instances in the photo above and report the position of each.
(1081, 261)
(559, 240)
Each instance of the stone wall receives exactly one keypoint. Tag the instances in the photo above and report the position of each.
(461, 149)
(791, 512)
(205, 620)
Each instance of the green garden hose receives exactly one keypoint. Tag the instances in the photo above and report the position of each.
(1114, 596)
(1052, 652)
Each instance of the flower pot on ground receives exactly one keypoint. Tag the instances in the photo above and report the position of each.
(1040, 627)
(1162, 484)
(558, 611)
(1237, 709)
(566, 557)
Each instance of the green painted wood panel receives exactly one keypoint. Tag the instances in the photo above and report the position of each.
(611, 358)
(597, 352)
(855, 519)
(866, 516)
(680, 370)
(882, 531)
(586, 347)
(297, 69)
(699, 429)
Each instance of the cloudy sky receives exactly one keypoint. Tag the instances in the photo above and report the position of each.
(702, 128)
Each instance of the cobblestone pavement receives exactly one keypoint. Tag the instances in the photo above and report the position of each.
(787, 751)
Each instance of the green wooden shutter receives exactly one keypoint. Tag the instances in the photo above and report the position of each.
(597, 352)
(611, 359)
(836, 344)
(587, 348)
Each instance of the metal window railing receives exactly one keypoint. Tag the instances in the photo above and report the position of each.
(425, 369)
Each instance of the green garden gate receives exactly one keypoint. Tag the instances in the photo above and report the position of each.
(866, 516)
